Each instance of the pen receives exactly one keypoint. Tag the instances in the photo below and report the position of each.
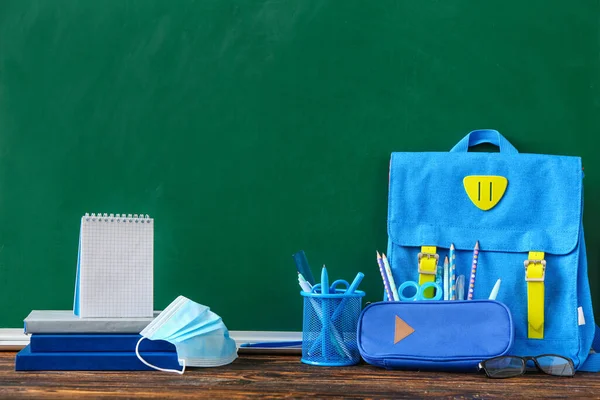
(460, 287)
(495, 290)
(273, 344)
(354, 285)
(326, 313)
(324, 281)
(351, 289)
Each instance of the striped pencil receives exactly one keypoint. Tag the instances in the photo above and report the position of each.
(386, 282)
(446, 279)
(473, 271)
(452, 273)
(388, 269)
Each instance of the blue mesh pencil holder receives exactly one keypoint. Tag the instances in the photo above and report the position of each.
(329, 328)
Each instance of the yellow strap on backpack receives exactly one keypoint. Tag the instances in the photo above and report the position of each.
(428, 260)
(535, 273)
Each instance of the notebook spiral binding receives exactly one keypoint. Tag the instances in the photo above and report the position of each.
(127, 218)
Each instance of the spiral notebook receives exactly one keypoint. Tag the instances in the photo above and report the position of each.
(115, 266)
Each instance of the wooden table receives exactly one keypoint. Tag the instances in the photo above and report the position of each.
(285, 377)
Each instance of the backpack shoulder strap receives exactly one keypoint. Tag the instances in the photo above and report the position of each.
(592, 363)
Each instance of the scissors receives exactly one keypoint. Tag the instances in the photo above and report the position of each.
(332, 289)
(420, 291)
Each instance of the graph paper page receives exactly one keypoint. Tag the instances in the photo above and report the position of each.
(116, 267)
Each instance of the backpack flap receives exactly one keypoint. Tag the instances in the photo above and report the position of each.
(512, 204)
(540, 208)
(435, 335)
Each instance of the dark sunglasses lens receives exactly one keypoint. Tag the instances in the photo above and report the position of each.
(504, 367)
(555, 365)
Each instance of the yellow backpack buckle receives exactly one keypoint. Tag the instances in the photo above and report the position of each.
(428, 256)
(529, 278)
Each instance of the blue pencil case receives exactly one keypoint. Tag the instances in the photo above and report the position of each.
(434, 335)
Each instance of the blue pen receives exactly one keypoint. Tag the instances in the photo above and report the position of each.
(326, 314)
(273, 344)
(351, 289)
(354, 285)
(324, 281)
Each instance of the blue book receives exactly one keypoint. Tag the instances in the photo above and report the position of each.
(93, 361)
(64, 343)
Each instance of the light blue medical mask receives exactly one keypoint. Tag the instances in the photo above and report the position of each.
(199, 335)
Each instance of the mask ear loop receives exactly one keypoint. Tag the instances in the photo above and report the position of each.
(137, 353)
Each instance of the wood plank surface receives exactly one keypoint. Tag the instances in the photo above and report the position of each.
(286, 377)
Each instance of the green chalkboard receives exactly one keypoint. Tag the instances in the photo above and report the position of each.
(252, 129)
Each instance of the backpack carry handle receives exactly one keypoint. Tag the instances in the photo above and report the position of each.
(484, 136)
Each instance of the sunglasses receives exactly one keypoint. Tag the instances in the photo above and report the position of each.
(509, 366)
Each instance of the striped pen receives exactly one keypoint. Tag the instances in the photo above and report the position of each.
(452, 257)
(473, 271)
(386, 282)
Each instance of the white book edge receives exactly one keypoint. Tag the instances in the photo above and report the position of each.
(13, 339)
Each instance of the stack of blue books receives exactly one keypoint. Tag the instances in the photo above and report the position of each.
(61, 341)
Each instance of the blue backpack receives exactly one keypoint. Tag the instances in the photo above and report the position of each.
(525, 210)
